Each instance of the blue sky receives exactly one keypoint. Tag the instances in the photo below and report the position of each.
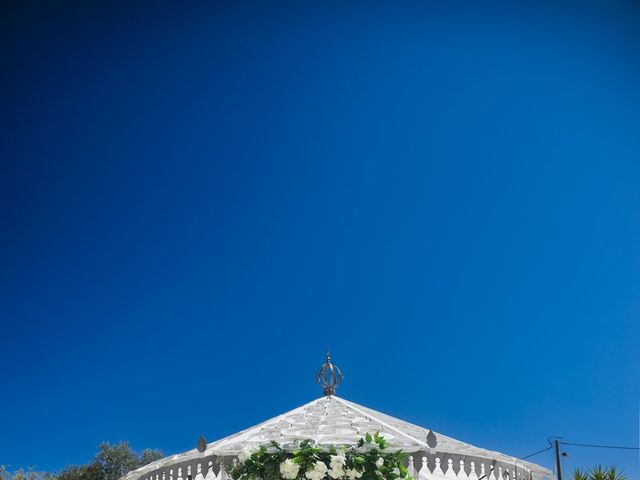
(197, 200)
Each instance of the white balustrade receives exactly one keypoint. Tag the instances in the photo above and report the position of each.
(462, 473)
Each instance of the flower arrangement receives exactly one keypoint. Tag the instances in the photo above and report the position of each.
(368, 460)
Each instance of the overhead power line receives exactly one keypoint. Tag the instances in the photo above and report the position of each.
(598, 446)
(536, 453)
(566, 443)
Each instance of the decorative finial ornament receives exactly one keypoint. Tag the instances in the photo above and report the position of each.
(329, 377)
(202, 444)
(432, 441)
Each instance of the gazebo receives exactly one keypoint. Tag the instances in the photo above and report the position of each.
(333, 421)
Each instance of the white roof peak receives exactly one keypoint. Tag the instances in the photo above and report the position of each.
(331, 420)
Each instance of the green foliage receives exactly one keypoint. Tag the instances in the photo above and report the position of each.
(149, 455)
(368, 460)
(23, 474)
(90, 471)
(599, 473)
(114, 461)
(110, 463)
(580, 474)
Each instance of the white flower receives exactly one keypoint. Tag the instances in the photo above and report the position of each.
(317, 472)
(247, 451)
(353, 474)
(379, 462)
(336, 473)
(337, 466)
(289, 469)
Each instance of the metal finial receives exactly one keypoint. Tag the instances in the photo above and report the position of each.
(432, 440)
(329, 377)
(202, 444)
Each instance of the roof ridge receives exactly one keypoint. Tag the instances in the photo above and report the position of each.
(356, 407)
(332, 419)
(241, 435)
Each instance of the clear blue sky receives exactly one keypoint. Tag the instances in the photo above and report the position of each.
(197, 200)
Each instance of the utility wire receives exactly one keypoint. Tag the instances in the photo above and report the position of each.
(565, 443)
(536, 453)
(598, 446)
(521, 458)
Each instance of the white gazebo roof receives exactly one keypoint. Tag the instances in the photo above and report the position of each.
(331, 420)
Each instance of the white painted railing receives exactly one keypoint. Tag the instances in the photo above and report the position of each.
(431, 467)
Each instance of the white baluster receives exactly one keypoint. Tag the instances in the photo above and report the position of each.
(210, 473)
(411, 469)
(462, 474)
(425, 473)
(472, 474)
(450, 472)
(437, 471)
(199, 475)
(171, 474)
(223, 474)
